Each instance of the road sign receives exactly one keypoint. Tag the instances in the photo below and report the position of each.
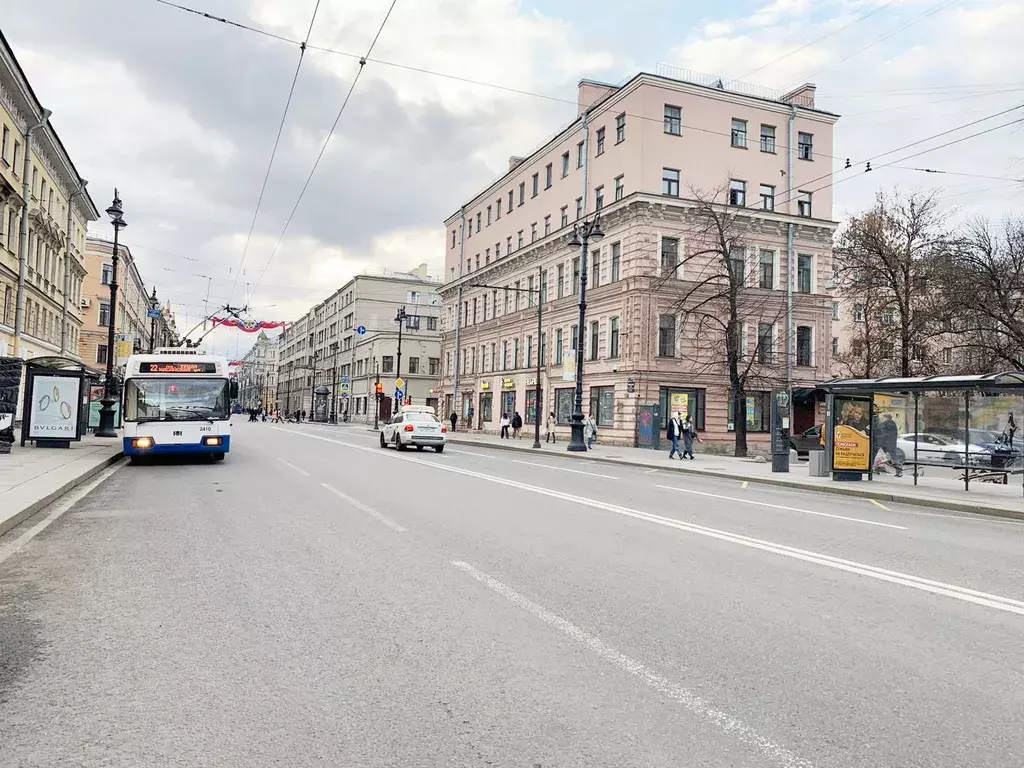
(361, 329)
(346, 378)
(344, 395)
(399, 384)
(399, 395)
(345, 386)
(154, 313)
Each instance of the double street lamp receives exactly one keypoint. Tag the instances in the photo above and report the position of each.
(154, 305)
(582, 234)
(106, 426)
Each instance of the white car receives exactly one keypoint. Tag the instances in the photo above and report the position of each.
(413, 427)
(932, 447)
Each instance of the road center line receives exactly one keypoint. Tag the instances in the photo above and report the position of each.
(879, 505)
(563, 469)
(780, 506)
(363, 508)
(470, 453)
(861, 569)
(677, 693)
(292, 466)
(651, 471)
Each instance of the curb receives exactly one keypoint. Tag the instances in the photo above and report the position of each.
(916, 501)
(50, 498)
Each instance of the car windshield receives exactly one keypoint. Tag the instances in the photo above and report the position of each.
(175, 399)
(420, 418)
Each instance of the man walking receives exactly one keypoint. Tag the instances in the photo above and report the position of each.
(454, 418)
(888, 433)
(517, 425)
(674, 432)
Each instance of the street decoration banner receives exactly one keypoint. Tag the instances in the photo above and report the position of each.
(54, 408)
(248, 326)
(851, 437)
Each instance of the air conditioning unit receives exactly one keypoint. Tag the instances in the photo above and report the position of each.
(84, 303)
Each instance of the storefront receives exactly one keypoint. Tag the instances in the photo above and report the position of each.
(684, 401)
(486, 410)
(508, 396)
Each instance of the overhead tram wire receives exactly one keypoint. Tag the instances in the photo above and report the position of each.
(273, 153)
(229, 22)
(323, 148)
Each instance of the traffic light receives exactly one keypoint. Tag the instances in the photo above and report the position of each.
(380, 388)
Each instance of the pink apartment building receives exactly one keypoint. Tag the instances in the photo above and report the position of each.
(641, 149)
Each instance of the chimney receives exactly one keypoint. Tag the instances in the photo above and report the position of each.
(590, 92)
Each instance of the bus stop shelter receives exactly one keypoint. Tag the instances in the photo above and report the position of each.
(967, 424)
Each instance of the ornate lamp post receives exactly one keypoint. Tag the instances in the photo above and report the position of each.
(106, 427)
(582, 234)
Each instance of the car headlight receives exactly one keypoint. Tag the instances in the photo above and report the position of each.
(142, 442)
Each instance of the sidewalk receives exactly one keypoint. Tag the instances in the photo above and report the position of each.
(31, 478)
(936, 488)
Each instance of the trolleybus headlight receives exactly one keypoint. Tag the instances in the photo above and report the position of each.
(212, 441)
(142, 442)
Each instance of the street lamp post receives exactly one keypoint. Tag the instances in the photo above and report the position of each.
(399, 318)
(153, 305)
(582, 234)
(106, 426)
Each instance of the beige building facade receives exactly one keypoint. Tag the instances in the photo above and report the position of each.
(257, 377)
(643, 155)
(325, 349)
(42, 237)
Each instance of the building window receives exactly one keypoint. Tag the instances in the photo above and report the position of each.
(616, 261)
(673, 120)
(737, 266)
(805, 145)
(536, 185)
(595, 269)
(488, 215)
(613, 337)
(565, 216)
(767, 197)
(620, 128)
(547, 176)
(600, 141)
(579, 208)
(758, 412)
(602, 405)
(737, 192)
(522, 192)
(670, 182)
(565, 165)
(543, 286)
(803, 204)
(561, 281)
(497, 205)
(412, 322)
(558, 346)
(519, 239)
(563, 405)
(739, 133)
(620, 188)
(599, 198)
(667, 336)
(580, 155)
(104, 313)
(669, 255)
(508, 245)
(768, 138)
(575, 276)
(835, 346)
(835, 310)
(766, 270)
(487, 257)
(765, 343)
(106, 274)
(529, 352)
(387, 364)
(101, 353)
(533, 232)
(859, 315)
(511, 201)
(547, 225)
(803, 345)
(574, 339)
(478, 216)
(804, 267)
(497, 250)
(6, 143)
(515, 353)
(414, 365)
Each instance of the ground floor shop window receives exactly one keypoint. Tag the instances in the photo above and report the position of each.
(508, 403)
(602, 405)
(758, 412)
(680, 400)
(486, 408)
(563, 405)
(531, 407)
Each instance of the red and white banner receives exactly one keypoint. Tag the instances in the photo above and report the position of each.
(248, 326)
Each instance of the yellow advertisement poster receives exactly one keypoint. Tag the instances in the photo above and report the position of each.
(851, 441)
(679, 403)
(123, 349)
(895, 406)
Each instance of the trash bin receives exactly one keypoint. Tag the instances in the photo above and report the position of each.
(818, 464)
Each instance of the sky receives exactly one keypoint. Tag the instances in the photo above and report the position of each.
(181, 113)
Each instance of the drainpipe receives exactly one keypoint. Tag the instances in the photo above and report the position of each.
(67, 267)
(26, 197)
(790, 227)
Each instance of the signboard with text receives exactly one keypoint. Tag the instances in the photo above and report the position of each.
(54, 407)
(851, 435)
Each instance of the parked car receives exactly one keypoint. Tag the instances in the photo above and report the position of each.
(807, 441)
(934, 447)
(414, 427)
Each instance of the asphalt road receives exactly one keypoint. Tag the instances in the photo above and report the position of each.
(318, 601)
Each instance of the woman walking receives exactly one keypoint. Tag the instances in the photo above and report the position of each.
(590, 430)
(549, 428)
(689, 435)
(505, 421)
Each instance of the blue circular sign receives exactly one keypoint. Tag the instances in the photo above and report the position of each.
(360, 329)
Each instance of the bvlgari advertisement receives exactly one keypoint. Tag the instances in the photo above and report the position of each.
(54, 414)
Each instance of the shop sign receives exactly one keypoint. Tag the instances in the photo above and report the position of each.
(508, 383)
(485, 385)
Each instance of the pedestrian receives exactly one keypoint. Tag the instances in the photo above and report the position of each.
(263, 415)
(590, 430)
(674, 432)
(549, 428)
(689, 436)
(454, 418)
(302, 415)
(505, 422)
(298, 415)
(888, 433)
(517, 425)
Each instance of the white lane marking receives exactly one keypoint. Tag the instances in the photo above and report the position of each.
(893, 577)
(292, 466)
(62, 506)
(677, 693)
(470, 453)
(780, 506)
(362, 507)
(651, 471)
(563, 469)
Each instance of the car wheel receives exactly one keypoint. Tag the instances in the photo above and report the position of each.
(439, 448)
(382, 443)
(419, 447)
(398, 444)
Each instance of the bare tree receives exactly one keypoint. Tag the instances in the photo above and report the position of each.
(719, 301)
(983, 282)
(883, 260)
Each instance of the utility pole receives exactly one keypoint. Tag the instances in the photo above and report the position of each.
(400, 319)
(376, 393)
